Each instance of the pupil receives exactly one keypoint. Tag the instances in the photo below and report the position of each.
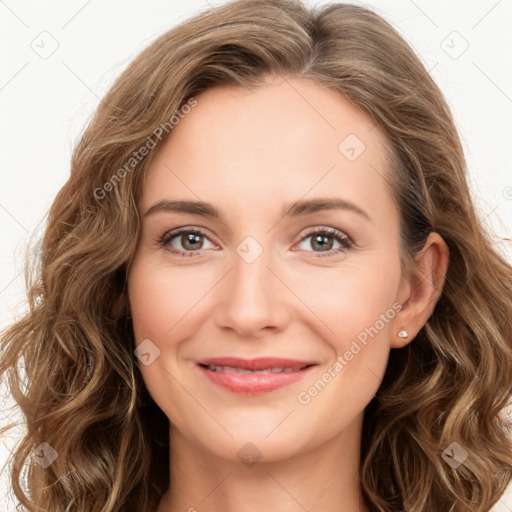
(321, 240)
(190, 239)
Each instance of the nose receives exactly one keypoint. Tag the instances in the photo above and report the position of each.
(251, 299)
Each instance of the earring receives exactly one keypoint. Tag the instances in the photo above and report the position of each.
(403, 334)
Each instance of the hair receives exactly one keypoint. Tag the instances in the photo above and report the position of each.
(82, 391)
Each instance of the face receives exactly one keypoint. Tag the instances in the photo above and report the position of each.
(261, 279)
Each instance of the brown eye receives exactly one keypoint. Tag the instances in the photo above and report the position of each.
(184, 241)
(323, 241)
(191, 241)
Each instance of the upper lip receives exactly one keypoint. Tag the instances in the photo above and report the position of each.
(261, 363)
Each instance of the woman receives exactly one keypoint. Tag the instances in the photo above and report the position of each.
(250, 371)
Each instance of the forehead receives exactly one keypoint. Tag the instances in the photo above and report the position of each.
(281, 141)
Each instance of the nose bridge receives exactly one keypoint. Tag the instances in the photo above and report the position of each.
(251, 278)
(251, 298)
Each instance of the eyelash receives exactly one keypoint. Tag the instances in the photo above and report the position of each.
(345, 241)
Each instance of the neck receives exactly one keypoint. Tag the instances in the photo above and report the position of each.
(322, 478)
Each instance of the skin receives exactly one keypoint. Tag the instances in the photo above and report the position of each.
(250, 153)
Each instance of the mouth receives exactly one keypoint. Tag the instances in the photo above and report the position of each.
(254, 376)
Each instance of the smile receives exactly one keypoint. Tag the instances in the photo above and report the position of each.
(256, 376)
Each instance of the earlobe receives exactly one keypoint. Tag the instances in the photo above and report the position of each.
(425, 287)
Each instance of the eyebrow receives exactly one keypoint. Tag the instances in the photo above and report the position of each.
(298, 208)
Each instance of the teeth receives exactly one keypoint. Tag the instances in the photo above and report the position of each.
(243, 371)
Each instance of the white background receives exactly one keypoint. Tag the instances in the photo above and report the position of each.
(45, 103)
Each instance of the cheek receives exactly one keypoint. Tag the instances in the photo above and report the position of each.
(358, 311)
(159, 314)
(353, 301)
(160, 299)
(150, 303)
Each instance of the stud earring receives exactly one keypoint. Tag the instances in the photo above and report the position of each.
(403, 334)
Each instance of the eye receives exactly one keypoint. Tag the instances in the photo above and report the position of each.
(192, 242)
(321, 238)
(324, 239)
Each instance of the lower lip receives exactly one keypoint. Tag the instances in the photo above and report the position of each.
(254, 383)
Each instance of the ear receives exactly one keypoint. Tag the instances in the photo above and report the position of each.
(420, 293)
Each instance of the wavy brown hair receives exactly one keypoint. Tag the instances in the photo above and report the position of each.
(83, 393)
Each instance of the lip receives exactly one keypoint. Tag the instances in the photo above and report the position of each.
(254, 384)
(260, 363)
